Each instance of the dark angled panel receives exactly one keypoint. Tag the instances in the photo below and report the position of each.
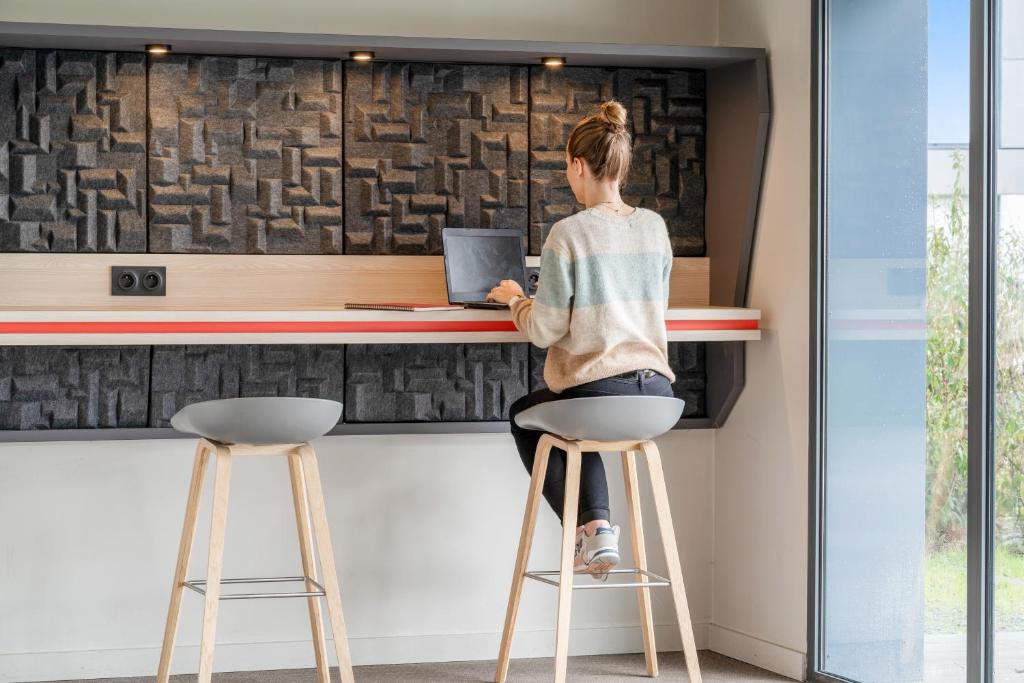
(666, 115)
(686, 360)
(433, 382)
(72, 151)
(245, 155)
(429, 146)
(55, 387)
(187, 374)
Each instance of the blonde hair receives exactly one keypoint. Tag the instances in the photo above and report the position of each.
(602, 140)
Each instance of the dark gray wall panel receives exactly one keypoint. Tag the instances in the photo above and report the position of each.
(429, 146)
(559, 98)
(245, 155)
(686, 360)
(433, 382)
(186, 374)
(72, 151)
(56, 387)
(688, 363)
(666, 115)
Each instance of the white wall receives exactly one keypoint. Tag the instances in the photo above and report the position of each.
(669, 22)
(425, 532)
(760, 586)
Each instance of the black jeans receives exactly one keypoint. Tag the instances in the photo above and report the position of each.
(593, 484)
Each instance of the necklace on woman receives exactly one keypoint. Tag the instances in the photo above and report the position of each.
(618, 205)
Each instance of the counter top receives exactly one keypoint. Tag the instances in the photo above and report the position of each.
(323, 326)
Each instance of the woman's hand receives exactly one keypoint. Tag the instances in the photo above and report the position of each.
(505, 291)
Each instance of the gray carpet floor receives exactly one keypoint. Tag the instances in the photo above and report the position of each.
(604, 668)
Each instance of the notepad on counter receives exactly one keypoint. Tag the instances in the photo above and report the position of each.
(412, 308)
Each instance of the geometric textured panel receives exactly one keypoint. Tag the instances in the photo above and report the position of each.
(72, 151)
(429, 146)
(688, 363)
(433, 382)
(666, 115)
(559, 98)
(51, 387)
(187, 374)
(245, 155)
(686, 360)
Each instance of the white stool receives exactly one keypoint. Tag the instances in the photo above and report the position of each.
(610, 423)
(259, 426)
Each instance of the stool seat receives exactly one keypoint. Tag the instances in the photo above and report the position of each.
(604, 418)
(259, 419)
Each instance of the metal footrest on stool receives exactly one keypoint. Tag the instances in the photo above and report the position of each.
(655, 582)
(199, 586)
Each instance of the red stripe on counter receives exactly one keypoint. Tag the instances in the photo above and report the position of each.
(323, 326)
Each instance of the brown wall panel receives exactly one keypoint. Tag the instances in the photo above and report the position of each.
(430, 146)
(220, 282)
(72, 151)
(665, 112)
(245, 155)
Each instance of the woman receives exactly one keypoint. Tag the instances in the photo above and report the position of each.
(600, 312)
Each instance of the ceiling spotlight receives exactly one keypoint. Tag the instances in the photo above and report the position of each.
(158, 49)
(552, 61)
(361, 55)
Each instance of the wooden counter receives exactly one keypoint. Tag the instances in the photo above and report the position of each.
(104, 327)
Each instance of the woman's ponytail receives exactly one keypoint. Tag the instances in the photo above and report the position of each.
(603, 141)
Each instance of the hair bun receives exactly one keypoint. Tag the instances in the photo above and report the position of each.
(613, 114)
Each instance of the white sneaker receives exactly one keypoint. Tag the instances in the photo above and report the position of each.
(599, 553)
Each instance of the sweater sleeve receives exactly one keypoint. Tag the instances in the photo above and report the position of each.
(667, 278)
(667, 269)
(545, 319)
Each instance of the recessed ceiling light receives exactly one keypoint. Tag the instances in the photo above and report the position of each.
(552, 61)
(158, 49)
(361, 55)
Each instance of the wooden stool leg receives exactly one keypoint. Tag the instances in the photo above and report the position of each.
(540, 469)
(640, 559)
(188, 535)
(565, 576)
(316, 624)
(675, 571)
(318, 511)
(215, 564)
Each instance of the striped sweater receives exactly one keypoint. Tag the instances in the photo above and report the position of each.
(600, 305)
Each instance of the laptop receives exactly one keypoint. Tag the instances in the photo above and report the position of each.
(476, 260)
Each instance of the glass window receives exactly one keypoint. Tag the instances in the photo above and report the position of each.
(1008, 598)
(895, 357)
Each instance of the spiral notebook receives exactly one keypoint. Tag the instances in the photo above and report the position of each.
(412, 308)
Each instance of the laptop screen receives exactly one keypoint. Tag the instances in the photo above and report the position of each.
(476, 260)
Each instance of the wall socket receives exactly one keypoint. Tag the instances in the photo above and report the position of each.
(138, 281)
(532, 278)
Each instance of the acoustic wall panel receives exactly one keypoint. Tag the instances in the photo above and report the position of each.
(688, 363)
(433, 382)
(245, 155)
(51, 387)
(429, 146)
(686, 360)
(187, 374)
(666, 114)
(72, 151)
(559, 98)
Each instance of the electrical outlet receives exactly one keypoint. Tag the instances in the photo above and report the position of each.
(138, 281)
(532, 279)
